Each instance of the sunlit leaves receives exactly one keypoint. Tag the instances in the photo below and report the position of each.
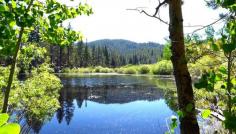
(11, 128)
(3, 119)
(30, 52)
(223, 70)
(205, 113)
(46, 15)
(62, 36)
(40, 93)
(8, 128)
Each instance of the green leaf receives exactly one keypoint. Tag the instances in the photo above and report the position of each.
(223, 70)
(228, 47)
(13, 3)
(180, 114)
(11, 128)
(202, 83)
(12, 24)
(214, 47)
(2, 8)
(206, 113)
(3, 118)
(233, 81)
(234, 100)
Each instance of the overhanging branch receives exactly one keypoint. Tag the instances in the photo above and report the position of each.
(149, 15)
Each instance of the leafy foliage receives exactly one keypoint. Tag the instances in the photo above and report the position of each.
(31, 55)
(206, 113)
(8, 128)
(166, 54)
(144, 70)
(163, 67)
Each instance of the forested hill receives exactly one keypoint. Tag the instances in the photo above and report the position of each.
(124, 46)
(122, 52)
(107, 53)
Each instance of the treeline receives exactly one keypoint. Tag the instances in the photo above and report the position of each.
(89, 54)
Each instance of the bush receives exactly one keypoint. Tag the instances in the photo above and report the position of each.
(163, 67)
(120, 70)
(130, 71)
(85, 70)
(97, 69)
(144, 70)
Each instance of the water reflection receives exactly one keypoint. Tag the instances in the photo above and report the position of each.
(110, 104)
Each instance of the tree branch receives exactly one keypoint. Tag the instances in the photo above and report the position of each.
(205, 26)
(159, 6)
(149, 15)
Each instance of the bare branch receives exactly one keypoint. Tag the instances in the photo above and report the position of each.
(205, 26)
(143, 11)
(159, 6)
(156, 11)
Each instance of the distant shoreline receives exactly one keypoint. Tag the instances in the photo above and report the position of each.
(117, 74)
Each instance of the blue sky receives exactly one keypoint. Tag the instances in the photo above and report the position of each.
(112, 20)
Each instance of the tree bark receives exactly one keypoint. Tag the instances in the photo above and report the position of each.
(229, 105)
(51, 54)
(12, 71)
(188, 123)
(68, 56)
(60, 57)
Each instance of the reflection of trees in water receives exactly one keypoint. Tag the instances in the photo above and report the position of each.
(28, 124)
(169, 89)
(121, 93)
(66, 111)
(105, 94)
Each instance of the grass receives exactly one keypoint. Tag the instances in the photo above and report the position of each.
(161, 68)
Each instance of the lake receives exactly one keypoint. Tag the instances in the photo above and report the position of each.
(110, 104)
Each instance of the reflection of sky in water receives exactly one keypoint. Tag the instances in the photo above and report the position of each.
(126, 105)
(137, 117)
(96, 80)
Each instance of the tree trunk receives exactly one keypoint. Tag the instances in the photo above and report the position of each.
(60, 57)
(12, 71)
(229, 104)
(188, 123)
(68, 56)
(51, 54)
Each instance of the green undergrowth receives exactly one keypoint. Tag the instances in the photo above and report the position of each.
(163, 67)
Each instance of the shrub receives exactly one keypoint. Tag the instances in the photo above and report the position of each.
(130, 71)
(104, 70)
(144, 70)
(97, 69)
(163, 67)
(85, 70)
(120, 70)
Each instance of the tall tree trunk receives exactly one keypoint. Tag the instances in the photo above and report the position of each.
(68, 56)
(60, 57)
(188, 123)
(229, 105)
(12, 71)
(51, 54)
(13, 64)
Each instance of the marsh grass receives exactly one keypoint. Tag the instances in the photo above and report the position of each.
(163, 67)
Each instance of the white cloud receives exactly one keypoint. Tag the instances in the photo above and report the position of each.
(112, 20)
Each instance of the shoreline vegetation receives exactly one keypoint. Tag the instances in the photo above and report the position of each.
(163, 67)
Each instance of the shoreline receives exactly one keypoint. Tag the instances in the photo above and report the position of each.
(117, 74)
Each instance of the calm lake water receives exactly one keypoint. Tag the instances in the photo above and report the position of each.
(110, 104)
